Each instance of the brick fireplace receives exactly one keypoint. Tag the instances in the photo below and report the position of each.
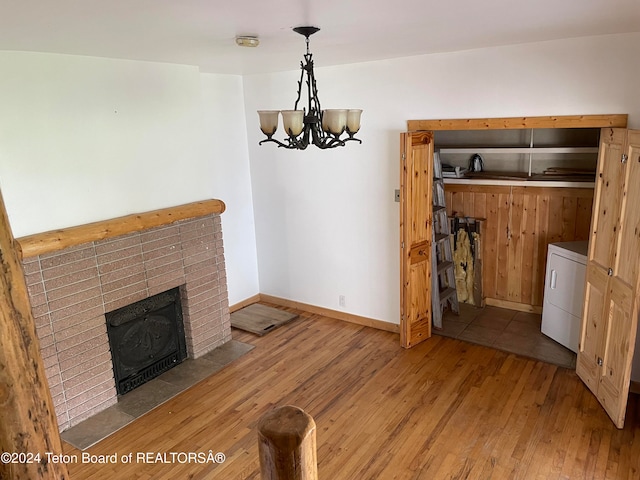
(71, 290)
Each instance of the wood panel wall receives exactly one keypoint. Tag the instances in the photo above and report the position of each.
(520, 223)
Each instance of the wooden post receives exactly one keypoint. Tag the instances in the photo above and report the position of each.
(28, 425)
(287, 445)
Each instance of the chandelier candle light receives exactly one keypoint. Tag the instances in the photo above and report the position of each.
(322, 128)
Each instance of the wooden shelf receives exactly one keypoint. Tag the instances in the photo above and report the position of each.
(523, 150)
(555, 183)
(532, 152)
(536, 177)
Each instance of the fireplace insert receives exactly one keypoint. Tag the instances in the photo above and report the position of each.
(146, 339)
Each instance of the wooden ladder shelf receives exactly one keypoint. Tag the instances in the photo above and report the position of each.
(443, 275)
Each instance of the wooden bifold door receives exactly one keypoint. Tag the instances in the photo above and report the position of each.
(610, 315)
(416, 214)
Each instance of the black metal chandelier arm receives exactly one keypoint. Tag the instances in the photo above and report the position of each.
(277, 142)
(325, 140)
(331, 144)
(320, 142)
(318, 137)
(332, 141)
(300, 143)
(312, 89)
(314, 99)
(295, 105)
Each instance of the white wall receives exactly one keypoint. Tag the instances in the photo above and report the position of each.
(225, 135)
(326, 221)
(85, 139)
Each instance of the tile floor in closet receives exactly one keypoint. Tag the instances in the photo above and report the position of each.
(508, 330)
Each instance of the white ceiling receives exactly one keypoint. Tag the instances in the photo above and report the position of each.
(202, 32)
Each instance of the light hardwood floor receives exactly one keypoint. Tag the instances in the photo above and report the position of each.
(445, 409)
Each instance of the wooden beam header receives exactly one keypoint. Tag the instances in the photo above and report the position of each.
(56, 240)
(566, 121)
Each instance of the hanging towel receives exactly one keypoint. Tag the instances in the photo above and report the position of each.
(463, 260)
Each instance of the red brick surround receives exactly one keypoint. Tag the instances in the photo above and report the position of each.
(71, 290)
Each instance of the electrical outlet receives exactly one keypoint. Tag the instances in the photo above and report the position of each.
(341, 300)
(397, 195)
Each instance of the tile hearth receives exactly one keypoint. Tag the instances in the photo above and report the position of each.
(152, 394)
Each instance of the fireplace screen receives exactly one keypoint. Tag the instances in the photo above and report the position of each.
(146, 339)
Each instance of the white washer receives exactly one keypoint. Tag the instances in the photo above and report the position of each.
(564, 292)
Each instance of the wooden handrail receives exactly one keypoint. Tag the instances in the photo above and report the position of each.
(47, 242)
(287, 445)
(29, 426)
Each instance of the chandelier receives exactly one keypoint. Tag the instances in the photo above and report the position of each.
(322, 128)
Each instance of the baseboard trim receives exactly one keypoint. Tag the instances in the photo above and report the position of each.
(520, 307)
(244, 303)
(370, 322)
(347, 317)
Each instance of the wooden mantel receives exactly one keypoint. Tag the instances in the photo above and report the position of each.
(55, 240)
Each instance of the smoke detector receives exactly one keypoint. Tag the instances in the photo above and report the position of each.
(247, 41)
